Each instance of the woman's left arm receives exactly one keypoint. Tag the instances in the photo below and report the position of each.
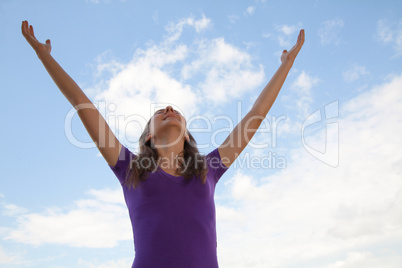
(241, 135)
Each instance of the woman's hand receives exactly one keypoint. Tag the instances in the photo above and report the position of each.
(291, 55)
(28, 33)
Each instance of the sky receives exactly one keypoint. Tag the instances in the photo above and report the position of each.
(320, 184)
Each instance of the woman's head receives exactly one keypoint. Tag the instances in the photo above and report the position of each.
(166, 125)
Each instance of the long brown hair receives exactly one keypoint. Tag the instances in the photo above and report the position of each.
(146, 161)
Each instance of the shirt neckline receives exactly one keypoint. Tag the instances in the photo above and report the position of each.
(170, 176)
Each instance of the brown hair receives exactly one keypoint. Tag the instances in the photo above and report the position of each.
(145, 161)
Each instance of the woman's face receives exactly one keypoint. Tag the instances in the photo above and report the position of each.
(165, 119)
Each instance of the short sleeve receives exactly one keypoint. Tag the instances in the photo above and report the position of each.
(123, 163)
(216, 165)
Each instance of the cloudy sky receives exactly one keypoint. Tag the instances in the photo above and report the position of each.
(320, 184)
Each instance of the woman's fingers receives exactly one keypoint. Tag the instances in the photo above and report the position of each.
(300, 40)
(28, 33)
(31, 31)
(302, 36)
(24, 27)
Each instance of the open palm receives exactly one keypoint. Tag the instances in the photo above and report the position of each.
(28, 33)
(292, 53)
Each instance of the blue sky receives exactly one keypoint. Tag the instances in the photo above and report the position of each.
(329, 193)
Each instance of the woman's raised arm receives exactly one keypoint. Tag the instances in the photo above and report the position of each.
(241, 135)
(93, 121)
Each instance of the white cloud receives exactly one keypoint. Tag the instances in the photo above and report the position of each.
(155, 16)
(18, 258)
(354, 73)
(108, 196)
(366, 259)
(12, 210)
(202, 24)
(300, 97)
(304, 83)
(302, 214)
(266, 35)
(286, 29)
(175, 29)
(250, 10)
(98, 222)
(184, 75)
(109, 264)
(329, 31)
(391, 33)
(233, 18)
(228, 71)
(5, 257)
(285, 35)
(283, 41)
(384, 32)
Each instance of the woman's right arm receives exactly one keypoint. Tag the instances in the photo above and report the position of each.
(93, 121)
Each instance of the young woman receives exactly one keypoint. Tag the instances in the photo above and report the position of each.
(168, 187)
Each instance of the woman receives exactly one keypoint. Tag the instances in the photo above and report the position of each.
(168, 187)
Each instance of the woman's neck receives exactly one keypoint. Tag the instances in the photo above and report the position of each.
(169, 147)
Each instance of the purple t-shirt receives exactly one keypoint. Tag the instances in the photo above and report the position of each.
(173, 220)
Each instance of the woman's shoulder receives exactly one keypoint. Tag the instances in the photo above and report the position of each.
(214, 159)
(212, 153)
(215, 164)
(124, 158)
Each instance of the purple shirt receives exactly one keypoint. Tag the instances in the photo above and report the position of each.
(173, 220)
